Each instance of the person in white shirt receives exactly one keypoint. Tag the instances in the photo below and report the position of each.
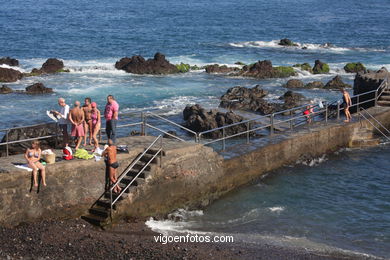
(63, 120)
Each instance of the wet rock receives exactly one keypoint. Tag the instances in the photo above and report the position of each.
(220, 69)
(50, 66)
(9, 61)
(292, 99)
(263, 69)
(336, 83)
(9, 75)
(287, 42)
(198, 119)
(314, 84)
(242, 97)
(320, 67)
(354, 67)
(138, 65)
(38, 88)
(5, 90)
(294, 83)
(304, 66)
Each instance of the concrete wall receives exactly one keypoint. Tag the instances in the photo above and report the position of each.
(191, 176)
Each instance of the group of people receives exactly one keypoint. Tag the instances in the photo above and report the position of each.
(87, 119)
(347, 103)
(83, 119)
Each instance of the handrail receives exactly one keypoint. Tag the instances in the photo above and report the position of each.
(164, 132)
(171, 122)
(112, 202)
(374, 126)
(376, 120)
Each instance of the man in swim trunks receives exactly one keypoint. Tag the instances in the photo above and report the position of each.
(111, 163)
(88, 122)
(76, 117)
(347, 102)
(111, 115)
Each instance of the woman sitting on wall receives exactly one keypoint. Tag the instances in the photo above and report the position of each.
(33, 155)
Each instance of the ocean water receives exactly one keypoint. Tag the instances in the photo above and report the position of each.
(341, 202)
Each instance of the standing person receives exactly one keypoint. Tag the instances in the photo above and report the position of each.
(111, 164)
(76, 117)
(63, 121)
(33, 155)
(95, 123)
(111, 115)
(347, 102)
(87, 123)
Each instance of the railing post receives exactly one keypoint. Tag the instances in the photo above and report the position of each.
(111, 203)
(199, 137)
(6, 140)
(247, 132)
(326, 112)
(376, 97)
(357, 103)
(338, 109)
(143, 124)
(161, 146)
(271, 130)
(291, 123)
(223, 139)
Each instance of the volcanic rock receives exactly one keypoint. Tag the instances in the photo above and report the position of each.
(263, 69)
(9, 75)
(292, 99)
(50, 66)
(336, 83)
(294, 83)
(287, 42)
(5, 90)
(242, 97)
(320, 67)
(314, 84)
(354, 67)
(38, 88)
(138, 65)
(199, 120)
(9, 61)
(220, 69)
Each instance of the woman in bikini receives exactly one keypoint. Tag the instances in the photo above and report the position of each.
(33, 155)
(95, 123)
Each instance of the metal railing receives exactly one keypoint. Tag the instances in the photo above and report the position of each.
(376, 120)
(130, 167)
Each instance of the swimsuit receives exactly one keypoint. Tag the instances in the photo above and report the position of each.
(94, 118)
(30, 154)
(114, 165)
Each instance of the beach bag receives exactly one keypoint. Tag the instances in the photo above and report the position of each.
(48, 156)
(67, 153)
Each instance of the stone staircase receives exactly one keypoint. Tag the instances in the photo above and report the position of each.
(363, 137)
(384, 99)
(100, 212)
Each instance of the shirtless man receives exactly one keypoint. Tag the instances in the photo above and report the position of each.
(63, 121)
(111, 163)
(347, 102)
(76, 117)
(88, 122)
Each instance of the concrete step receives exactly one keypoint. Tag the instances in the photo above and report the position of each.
(147, 157)
(364, 143)
(154, 151)
(105, 203)
(385, 98)
(386, 92)
(114, 195)
(130, 189)
(100, 211)
(126, 180)
(95, 220)
(139, 165)
(383, 103)
(144, 174)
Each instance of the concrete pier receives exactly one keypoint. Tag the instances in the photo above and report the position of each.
(191, 175)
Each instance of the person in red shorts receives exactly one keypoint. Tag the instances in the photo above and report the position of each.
(76, 117)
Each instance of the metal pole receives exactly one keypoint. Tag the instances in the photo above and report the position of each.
(357, 104)
(291, 123)
(6, 140)
(143, 123)
(271, 131)
(111, 204)
(326, 112)
(338, 109)
(376, 97)
(223, 139)
(247, 133)
(161, 146)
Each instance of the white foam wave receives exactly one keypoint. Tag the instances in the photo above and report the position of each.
(301, 46)
(313, 162)
(11, 67)
(276, 209)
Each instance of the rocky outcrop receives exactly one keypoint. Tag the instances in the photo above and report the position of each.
(287, 42)
(294, 83)
(199, 119)
(304, 66)
(9, 75)
(320, 67)
(29, 132)
(38, 88)
(336, 83)
(314, 84)
(138, 65)
(263, 70)
(50, 66)
(5, 90)
(292, 99)
(9, 61)
(354, 67)
(243, 98)
(220, 69)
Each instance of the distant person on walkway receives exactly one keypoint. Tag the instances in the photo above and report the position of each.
(347, 102)
(111, 115)
(76, 117)
(95, 123)
(63, 121)
(111, 164)
(87, 123)
(33, 155)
